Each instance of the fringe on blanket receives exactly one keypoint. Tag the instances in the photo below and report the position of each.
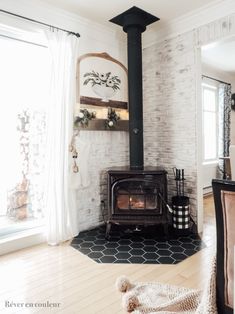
(150, 298)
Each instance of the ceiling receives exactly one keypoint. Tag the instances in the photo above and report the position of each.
(102, 11)
(220, 55)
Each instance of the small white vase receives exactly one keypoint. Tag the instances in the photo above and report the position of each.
(103, 91)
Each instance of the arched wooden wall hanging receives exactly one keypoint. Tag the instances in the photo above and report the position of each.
(101, 81)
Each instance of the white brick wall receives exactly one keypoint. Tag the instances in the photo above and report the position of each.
(107, 149)
(170, 102)
(169, 109)
(169, 126)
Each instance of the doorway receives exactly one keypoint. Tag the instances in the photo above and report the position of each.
(218, 84)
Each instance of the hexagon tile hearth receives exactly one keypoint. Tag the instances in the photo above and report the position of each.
(136, 248)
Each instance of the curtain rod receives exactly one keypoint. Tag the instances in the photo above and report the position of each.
(38, 22)
(211, 78)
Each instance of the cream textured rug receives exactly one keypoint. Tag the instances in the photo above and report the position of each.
(141, 298)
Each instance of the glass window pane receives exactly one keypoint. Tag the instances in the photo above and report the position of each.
(209, 100)
(24, 81)
(210, 147)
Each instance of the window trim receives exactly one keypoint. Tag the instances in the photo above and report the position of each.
(13, 232)
(22, 31)
(213, 88)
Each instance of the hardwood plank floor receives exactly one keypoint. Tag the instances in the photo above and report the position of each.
(63, 275)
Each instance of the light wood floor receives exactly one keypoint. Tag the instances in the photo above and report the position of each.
(63, 275)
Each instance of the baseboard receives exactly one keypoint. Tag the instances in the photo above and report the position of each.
(22, 240)
(207, 191)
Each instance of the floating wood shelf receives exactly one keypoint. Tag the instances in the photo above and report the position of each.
(98, 102)
(99, 125)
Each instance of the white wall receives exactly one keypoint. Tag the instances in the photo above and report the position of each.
(94, 36)
(209, 172)
(170, 110)
(219, 74)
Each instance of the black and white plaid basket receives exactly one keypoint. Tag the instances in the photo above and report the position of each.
(181, 217)
(181, 212)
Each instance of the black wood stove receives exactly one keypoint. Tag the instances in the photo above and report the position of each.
(137, 195)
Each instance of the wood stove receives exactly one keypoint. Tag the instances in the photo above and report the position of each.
(137, 197)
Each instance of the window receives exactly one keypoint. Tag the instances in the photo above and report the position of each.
(210, 123)
(24, 81)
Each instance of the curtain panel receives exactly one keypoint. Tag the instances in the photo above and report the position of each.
(60, 201)
(224, 124)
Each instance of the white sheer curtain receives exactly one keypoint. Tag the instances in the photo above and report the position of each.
(60, 205)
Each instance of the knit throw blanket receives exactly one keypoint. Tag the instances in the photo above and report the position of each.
(143, 298)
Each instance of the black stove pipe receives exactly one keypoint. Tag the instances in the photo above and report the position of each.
(135, 92)
(134, 22)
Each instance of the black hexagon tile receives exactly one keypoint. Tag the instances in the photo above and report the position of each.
(127, 246)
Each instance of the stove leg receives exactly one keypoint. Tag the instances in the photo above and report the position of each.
(108, 228)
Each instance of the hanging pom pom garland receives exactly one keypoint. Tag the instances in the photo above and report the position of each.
(74, 152)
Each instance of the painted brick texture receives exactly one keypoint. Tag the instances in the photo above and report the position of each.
(106, 150)
(169, 127)
(169, 110)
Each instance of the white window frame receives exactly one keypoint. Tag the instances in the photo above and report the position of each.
(213, 88)
(23, 32)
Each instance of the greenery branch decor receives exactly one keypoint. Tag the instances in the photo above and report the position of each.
(112, 118)
(95, 78)
(84, 117)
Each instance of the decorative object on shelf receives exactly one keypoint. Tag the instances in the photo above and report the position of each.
(104, 85)
(112, 118)
(101, 84)
(83, 117)
(101, 81)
